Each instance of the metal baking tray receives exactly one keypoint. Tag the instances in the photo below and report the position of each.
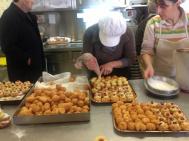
(133, 131)
(93, 100)
(14, 100)
(48, 118)
(154, 131)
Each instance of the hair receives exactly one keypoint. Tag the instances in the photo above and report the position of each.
(15, 0)
(151, 6)
(163, 3)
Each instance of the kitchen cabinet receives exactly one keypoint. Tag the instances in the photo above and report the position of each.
(62, 60)
(48, 5)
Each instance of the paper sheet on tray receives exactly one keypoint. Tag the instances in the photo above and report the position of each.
(47, 77)
(79, 82)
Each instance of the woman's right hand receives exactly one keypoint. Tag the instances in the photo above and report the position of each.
(91, 63)
(148, 72)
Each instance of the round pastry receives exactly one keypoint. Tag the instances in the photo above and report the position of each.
(131, 126)
(106, 99)
(185, 126)
(100, 138)
(140, 126)
(163, 126)
(97, 98)
(174, 127)
(5, 119)
(122, 125)
(150, 126)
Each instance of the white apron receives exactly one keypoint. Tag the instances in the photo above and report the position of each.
(164, 64)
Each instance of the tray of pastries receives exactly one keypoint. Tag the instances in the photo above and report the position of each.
(149, 117)
(58, 40)
(50, 105)
(111, 89)
(13, 92)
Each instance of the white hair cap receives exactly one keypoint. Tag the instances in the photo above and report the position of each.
(111, 26)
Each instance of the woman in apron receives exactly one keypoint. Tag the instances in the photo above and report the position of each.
(164, 34)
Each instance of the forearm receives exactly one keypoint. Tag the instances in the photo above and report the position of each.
(117, 64)
(147, 59)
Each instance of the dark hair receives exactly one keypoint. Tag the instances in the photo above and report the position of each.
(15, 0)
(162, 2)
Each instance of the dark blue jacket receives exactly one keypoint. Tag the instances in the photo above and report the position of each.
(20, 40)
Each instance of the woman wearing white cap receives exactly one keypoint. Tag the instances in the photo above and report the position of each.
(111, 44)
(164, 33)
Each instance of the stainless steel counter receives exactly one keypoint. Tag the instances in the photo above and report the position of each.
(63, 48)
(100, 124)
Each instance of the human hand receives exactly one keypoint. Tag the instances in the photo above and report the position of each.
(91, 63)
(106, 68)
(148, 72)
(29, 61)
(79, 62)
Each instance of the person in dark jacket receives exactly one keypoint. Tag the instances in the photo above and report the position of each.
(21, 42)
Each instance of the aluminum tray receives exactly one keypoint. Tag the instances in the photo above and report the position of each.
(14, 100)
(48, 118)
(93, 100)
(132, 131)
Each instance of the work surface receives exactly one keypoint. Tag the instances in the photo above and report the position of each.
(99, 124)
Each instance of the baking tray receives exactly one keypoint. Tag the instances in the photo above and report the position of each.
(132, 131)
(147, 131)
(21, 120)
(93, 100)
(73, 117)
(14, 100)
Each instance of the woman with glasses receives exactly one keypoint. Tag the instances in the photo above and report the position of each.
(164, 33)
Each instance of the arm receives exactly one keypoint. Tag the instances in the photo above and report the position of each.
(147, 51)
(129, 49)
(108, 67)
(149, 70)
(87, 59)
(88, 40)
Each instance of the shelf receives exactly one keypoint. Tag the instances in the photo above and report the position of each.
(42, 10)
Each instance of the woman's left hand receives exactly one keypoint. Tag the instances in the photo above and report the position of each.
(106, 68)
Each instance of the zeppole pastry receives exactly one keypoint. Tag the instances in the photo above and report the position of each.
(149, 117)
(55, 101)
(111, 89)
(11, 89)
(100, 138)
(5, 119)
